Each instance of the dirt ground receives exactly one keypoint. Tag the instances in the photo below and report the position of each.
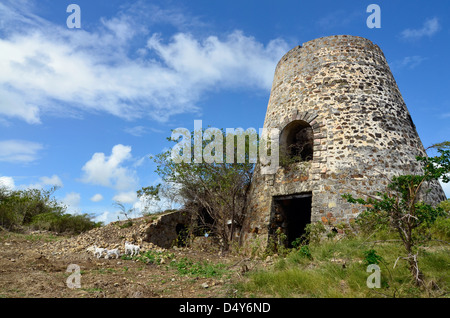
(27, 270)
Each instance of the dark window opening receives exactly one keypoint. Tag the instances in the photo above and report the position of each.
(182, 234)
(290, 215)
(297, 141)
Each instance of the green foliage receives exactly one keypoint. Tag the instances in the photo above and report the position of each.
(125, 225)
(38, 210)
(371, 257)
(151, 192)
(185, 266)
(314, 232)
(154, 257)
(445, 205)
(441, 228)
(219, 187)
(297, 243)
(304, 251)
(277, 244)
(287, 160)
(63, 223)
(438, 166)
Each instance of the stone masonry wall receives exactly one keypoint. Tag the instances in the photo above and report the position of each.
(363, 133)
(164, 232)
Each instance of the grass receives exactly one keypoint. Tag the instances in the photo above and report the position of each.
(106, 270)
(40, 237)
(92, 290)
(338, 269)
(46, 237)
(183, 266)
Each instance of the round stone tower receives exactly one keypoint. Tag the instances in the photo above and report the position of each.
(344, 128)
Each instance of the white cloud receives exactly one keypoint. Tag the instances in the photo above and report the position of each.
(108, 216)
(53, 180)
(97, 198)
(47, 181)
(19, 151)
(235, 61)
(7, 182)
(409, 62)
(109, 171)
(429, 28)
(48, 68)
(72, 201)
(13, 105)
(139, 131)
(126, 197)
(136, 131)
(105, 217)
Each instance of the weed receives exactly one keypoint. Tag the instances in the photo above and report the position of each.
(371, 257)
(305, 252)
(185, 266)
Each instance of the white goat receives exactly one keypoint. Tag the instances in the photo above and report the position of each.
(133, 249)
(98, 251)
(110, 253)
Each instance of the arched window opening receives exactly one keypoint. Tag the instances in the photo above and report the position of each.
(296, 142)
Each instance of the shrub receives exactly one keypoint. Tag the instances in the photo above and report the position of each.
(441, 228)
(371, 257)
(305, 252)
(36, 209)
(314, 232)
(445, 205)
(186, 266)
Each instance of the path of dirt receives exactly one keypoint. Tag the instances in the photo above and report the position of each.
(35, 265)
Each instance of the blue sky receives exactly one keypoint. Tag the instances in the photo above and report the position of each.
(84, 108)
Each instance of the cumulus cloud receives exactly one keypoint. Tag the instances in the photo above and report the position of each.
(97, 197)
(234, 61)
(19, 151)
(53, 180)
(72, 200)
(429, 28)
(126, 197)
(47, 181)
(7, 182)
(105, 217)
(48, 68)
(109, 171)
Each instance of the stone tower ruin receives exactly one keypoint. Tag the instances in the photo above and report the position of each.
(344, 128)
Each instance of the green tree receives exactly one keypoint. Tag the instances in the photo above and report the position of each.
(219, 187)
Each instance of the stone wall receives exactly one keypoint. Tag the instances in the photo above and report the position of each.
(363, 133)
(164, 233)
